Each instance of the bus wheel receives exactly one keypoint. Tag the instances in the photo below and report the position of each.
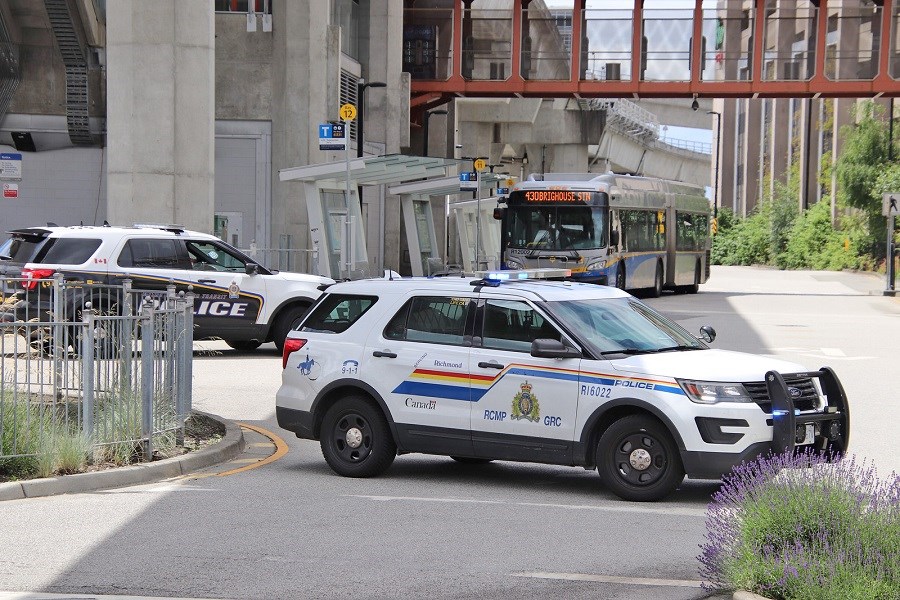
(656, 290)
(620, 277)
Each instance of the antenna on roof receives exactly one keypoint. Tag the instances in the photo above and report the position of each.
(51, 224)
(105, 223)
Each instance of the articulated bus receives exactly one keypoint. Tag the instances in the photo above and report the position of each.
(631, 232)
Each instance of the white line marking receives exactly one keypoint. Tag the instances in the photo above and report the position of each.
(613, 579)
(625, 508)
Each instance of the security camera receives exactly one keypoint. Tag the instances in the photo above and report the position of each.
(695, 105)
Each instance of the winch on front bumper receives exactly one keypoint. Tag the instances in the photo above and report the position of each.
(828, 430)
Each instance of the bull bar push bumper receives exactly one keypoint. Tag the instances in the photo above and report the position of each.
(829, 429)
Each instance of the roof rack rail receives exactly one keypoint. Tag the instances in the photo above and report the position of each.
(164, 226)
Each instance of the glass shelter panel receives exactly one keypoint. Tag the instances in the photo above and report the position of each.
(606, 48)
(487, 44)
(728, 44)
(855, 31)
(790, 41)
(546, 43)
(895, 42)
(666, 45)
(428, 43)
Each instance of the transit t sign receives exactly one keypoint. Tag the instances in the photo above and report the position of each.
(332, 136)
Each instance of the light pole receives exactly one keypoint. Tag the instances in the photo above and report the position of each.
(361, 86)
(718, 117)
(428, 114)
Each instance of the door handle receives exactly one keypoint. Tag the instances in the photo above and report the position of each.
(490, 365)
(384, 354)
(206, 281)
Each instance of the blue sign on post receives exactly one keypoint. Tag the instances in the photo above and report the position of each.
(503, 191)
(332, 136)
(10, 166)
(468, 181)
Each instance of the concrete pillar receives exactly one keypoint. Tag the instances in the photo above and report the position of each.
(305, 75)
(387, 118)
(161, 112)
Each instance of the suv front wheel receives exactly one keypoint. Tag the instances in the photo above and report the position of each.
(638, 460)
(355, 439)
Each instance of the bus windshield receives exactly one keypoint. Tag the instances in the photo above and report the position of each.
(557, 227)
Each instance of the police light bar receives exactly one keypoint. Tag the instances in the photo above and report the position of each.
(517, 275)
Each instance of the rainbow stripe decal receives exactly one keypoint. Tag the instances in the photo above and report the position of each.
(462, 386)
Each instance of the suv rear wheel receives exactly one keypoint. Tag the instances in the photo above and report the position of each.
(638, 460)
(355, 438)
(244, 345)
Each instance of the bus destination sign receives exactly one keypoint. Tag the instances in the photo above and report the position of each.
(557, 196)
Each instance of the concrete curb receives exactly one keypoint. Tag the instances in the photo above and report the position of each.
(230, 446)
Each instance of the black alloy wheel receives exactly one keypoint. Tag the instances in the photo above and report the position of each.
(638, 460)
(355, 438)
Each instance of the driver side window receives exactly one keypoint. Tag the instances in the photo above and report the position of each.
(208, 256)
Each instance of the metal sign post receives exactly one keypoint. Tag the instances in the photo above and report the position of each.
(479, 165)
(890, 208)
(348, 113)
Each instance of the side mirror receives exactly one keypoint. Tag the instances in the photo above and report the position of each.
(613, 238)
(707, 334)
(547, 348)
(251, 269)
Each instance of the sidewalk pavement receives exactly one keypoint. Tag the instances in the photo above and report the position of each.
(231, 445)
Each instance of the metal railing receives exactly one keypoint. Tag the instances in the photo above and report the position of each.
(104, 362)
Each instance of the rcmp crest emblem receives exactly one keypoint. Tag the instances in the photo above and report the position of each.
(525, 405)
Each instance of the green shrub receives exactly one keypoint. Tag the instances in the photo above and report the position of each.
(801, 527)
(814, 244)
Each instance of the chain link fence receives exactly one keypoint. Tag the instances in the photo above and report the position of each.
(104, 362)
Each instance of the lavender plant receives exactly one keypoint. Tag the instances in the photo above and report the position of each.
(805, 526)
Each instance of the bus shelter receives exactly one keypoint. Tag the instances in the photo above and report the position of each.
(474, 225)
(336, 226)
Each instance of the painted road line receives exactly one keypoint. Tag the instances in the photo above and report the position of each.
(669, 510)
(280, 450)
(613, 579)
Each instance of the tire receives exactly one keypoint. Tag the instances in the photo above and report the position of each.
(355, 438)
(620, 276)
(656, 290)
(468, 460)
(244, 345)
(286, 322)
(638, 460)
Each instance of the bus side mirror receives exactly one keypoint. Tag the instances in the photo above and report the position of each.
(614, 238)
(498, 213)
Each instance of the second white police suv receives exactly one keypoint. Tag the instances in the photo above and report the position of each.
(509, 367)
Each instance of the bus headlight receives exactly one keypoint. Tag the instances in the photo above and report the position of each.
(514, 263)
(712, 392)
(597, 263)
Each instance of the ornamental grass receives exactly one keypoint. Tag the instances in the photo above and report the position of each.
(805, 526)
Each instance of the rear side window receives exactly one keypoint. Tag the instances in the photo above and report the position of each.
(22, 249)
(337, 312)
(68, 251)
(435, 319)
(153, 253)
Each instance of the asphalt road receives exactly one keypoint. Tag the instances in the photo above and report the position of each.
(432, 528)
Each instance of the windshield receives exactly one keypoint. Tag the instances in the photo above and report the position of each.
(622, 326)
(563, 227)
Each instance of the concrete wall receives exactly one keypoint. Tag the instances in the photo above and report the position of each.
(161, 112)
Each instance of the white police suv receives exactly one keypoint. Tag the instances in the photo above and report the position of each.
(236, 299)
(505, 367)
